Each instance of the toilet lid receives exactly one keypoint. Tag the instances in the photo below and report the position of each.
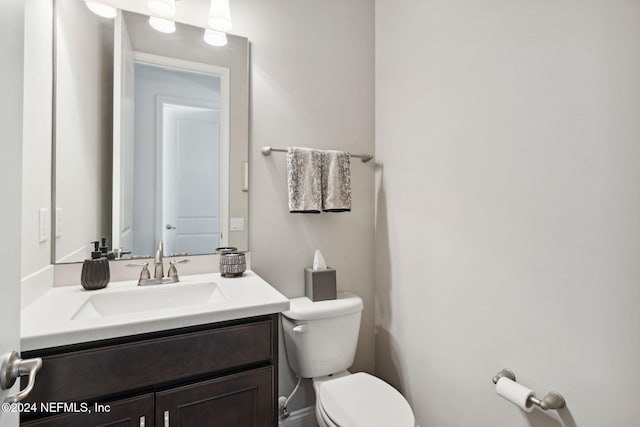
(362, 400)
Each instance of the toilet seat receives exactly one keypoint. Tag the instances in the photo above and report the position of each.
(362, 400)
(323, 419)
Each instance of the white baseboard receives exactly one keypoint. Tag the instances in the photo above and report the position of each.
(305, 417)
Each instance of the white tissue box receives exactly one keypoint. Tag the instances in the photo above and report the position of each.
(320, 285)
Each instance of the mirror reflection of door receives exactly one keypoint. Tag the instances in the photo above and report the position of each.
(179, 189)
(190, 141)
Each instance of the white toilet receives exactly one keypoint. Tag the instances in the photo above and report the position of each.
(320, 338)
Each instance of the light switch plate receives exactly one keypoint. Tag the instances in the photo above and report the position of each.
(236, 224)
(44, 225)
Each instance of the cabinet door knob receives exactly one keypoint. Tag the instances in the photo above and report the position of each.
(166, 418)
(142, 421)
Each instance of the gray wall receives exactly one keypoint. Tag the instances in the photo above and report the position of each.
(508, 207)
(83, 127)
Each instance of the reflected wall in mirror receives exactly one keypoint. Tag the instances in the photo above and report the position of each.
(151, 136)
(83, 92)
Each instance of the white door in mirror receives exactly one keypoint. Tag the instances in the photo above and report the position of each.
(190, 178)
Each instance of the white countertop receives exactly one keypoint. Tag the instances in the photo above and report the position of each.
(49, 320)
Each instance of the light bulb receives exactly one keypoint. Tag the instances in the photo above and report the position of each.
(101, 9)
(165, 8)
(215, 38)
(162, 25)
(220, 15)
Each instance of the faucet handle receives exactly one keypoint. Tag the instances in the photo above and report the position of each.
(144, 274)
(173, 272)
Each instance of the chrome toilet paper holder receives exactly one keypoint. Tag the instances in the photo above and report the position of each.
(553, 399)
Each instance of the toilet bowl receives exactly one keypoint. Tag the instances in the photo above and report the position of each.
(320, 340)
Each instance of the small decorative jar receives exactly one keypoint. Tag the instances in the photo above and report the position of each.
(232, 264)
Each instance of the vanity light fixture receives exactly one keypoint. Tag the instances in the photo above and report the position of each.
(163, 25)
(215, 38)
(220, 15)
(101, 9)
(164, 8)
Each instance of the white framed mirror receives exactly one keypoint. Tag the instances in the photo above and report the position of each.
(150, 136)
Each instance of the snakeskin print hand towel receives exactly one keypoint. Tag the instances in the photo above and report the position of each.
(304, 179)
(336, 181)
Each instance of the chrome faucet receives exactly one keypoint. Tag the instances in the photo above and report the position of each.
(158, 277)
(159, 268)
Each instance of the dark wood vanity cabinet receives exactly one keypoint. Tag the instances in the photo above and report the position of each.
(238, 400)
(222, 374)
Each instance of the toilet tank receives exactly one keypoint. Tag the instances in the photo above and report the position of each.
(321, 337)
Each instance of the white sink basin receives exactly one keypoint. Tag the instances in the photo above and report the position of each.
(69, 315)
(148, 298)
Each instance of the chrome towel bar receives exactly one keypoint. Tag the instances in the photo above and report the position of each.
(267, 150)
(553, 399)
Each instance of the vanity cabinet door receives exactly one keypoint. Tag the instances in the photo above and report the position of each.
(240, 400)
(133, 412)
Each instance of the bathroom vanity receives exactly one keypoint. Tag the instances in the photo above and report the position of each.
(209, 362)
